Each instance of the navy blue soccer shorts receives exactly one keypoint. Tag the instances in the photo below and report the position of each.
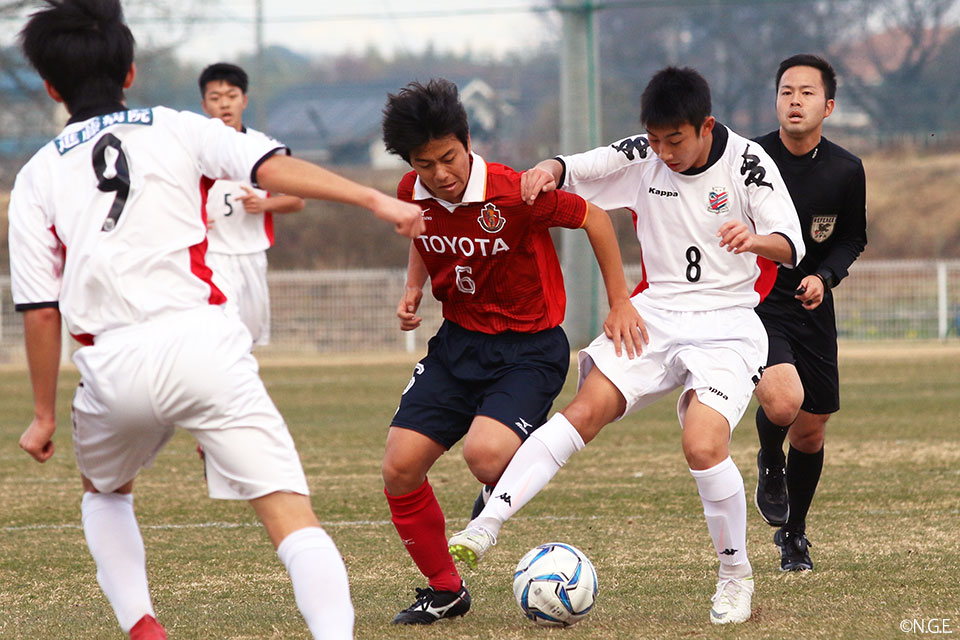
(510, 377)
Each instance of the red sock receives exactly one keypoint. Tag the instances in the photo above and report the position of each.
(419, 521)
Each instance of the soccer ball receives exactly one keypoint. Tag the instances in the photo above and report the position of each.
(555, 584)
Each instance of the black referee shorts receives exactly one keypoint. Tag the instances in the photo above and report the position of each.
(808, 341)
(510, 377)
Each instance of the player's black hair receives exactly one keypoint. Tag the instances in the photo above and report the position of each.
(417, 114)
(809, 60)
(81, 47)
(229, 73)
(674, 97)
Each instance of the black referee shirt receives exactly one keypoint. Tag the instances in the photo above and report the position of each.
(828, 188)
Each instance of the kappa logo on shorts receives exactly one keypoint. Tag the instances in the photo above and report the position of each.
(716, 391)
(491, 220)
(822, 227)
(719, 200)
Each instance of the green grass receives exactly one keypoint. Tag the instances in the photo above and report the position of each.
(884, 523)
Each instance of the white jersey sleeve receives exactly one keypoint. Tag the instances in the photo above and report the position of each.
(608, 176)
(105, 220)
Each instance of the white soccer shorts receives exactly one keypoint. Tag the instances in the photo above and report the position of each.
(191, 369)
(243, 279)
(718, 354)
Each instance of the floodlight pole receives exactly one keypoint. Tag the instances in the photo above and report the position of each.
(579, 131)
(259, 71)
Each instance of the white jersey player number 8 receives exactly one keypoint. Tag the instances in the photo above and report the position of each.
(113, 174)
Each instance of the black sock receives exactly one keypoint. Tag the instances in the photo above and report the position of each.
(771, 438)
(803, 475)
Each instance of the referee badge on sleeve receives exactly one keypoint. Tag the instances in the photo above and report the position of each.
(822, 227)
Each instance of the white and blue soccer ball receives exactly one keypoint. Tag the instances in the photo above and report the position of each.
(555, 584)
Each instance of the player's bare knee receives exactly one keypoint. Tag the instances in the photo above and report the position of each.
(485, 463)
(399, 479)
(782, 410)
(703, 455)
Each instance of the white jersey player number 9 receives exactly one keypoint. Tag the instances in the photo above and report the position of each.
(113, 174)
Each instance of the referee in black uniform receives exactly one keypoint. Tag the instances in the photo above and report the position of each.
(800, 386)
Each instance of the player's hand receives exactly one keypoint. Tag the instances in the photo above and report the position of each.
(735, 236)
(540, 179)
(813, 291)
(210, 224)
(626, 329)
(406, 217)
(252, 203)
(407, 308)
(37, 439)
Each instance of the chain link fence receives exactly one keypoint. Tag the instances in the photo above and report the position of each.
(317, 313)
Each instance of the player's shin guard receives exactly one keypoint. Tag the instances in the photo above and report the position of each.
(320, 583)
(419, 521)
(532, 467)
(113, 537)
(725, 508)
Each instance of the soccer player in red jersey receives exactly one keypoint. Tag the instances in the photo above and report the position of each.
(500, 358)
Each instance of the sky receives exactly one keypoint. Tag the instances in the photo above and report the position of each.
(488, 28)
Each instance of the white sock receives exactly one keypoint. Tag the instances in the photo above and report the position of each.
(320, 582)
(725, 508)
(533, 465)
(114, 540)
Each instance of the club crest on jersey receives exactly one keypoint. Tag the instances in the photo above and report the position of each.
(491, 219)
(821, 227)
(718, 201)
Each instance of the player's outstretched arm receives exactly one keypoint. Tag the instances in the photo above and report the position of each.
(543, 177)
(412, 292)
(297, 177)
(252, 203)
(623, 325)
(41, 330)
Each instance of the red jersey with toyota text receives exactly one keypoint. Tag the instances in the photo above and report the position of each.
(491, 259)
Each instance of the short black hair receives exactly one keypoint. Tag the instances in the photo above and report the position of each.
(82, 48)
(809, 60)
(229, 73)
(417, 114)
(674, 97)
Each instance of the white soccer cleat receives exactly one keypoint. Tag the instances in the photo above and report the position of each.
(731, 602)
(470, 545)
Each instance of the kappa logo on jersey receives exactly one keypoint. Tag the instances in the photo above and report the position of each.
(491, 219)
(821, 227)
(719, 200)
(663, 194)
(627, 147)
(752, 169)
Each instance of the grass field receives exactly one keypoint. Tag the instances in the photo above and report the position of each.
(884, 524)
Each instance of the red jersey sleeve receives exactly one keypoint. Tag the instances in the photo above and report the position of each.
(560, 209)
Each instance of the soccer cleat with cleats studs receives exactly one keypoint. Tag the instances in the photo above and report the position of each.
(731, 602)
(470, 545)
(794, 550)
(147, 628)
(432, 605)
(771, 494)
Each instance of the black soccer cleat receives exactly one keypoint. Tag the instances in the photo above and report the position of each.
(771, 494)
(794, 550)
(432, 605)
(481, 501)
